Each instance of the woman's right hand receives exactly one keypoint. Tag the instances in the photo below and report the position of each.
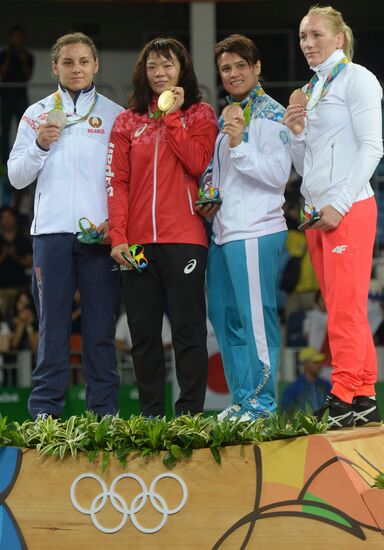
(47, 134)
(118, 257)
(294, 118)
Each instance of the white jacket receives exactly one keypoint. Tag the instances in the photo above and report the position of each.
(71, 175)
(251, 181)
(341, 144)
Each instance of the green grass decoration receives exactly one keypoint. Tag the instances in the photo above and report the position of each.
(147, 437)
(379, 481)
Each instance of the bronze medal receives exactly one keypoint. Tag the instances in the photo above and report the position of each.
(298, 97)
(231, 112)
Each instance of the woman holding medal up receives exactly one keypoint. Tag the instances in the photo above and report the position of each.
(62, 141)
(251, 166)
(159, 148)
(336, 126)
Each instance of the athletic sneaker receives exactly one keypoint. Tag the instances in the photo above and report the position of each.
(246, 416)
(340, 413)
(365, 411)
(249, 412)
(229, 412)
(44, 416)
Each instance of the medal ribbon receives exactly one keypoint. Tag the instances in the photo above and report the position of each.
(156, 115)
(331, 76)
(59, 107)
(248, 105)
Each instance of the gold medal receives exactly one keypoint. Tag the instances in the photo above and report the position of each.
(231, 112)
(298, 97)
(165, 101)
(58, 118)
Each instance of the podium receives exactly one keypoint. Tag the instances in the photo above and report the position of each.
(308, 492)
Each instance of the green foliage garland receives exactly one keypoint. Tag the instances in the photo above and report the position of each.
(147, 437)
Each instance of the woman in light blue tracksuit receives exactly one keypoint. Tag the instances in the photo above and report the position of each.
(251, 166)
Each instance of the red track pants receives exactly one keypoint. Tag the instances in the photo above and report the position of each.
(342, 260)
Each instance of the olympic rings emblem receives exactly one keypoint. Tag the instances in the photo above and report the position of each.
(118, 502)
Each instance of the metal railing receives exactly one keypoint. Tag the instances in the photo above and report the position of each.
(16, 367)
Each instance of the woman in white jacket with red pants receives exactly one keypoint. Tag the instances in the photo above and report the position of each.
(336, 146)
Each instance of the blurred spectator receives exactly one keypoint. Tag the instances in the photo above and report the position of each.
(376, 318)
(315, 326)
(298, 278)
(15, 257)
(309, 388)
(23, 324)
(123, 337)
(5, 336)
(16, 66)
(308, 327)
(5, 344)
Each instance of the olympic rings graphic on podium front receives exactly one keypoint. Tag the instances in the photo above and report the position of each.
(119, 503)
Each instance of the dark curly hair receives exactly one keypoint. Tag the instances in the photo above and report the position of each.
(167, 47)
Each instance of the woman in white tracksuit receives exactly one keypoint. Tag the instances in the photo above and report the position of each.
(336, 146)
(251, 166)
(69, 165)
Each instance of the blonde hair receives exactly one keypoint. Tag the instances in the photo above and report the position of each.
(336, 24)
(72, 38)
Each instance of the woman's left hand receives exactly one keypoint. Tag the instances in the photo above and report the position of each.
(234, 129)
(178, 94)
(104, 227)
(208, 210)
(330, 218)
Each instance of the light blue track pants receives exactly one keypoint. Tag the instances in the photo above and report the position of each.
(242, 288)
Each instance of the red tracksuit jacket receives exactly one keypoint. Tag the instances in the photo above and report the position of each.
(153, 172)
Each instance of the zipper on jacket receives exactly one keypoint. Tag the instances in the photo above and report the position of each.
(190, 201)
(332, 152)
(37, 212)
(304, 185)
(155, 188)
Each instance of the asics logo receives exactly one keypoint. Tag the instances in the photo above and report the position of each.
(190, 266)
(140, 130)
(340, 248)
(128, 510)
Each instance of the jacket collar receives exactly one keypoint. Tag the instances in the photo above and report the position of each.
(82, 100)
(326, 66)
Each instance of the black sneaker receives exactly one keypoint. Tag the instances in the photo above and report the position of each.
(366, 411)
(340, 414)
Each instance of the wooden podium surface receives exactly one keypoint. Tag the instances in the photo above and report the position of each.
(308, 492)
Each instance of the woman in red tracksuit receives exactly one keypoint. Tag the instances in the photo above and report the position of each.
(154, 165)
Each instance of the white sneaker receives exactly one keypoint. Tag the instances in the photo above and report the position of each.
(243, 417)
(247, 417)
(41, 416)
(228, 412)
(44, 416)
